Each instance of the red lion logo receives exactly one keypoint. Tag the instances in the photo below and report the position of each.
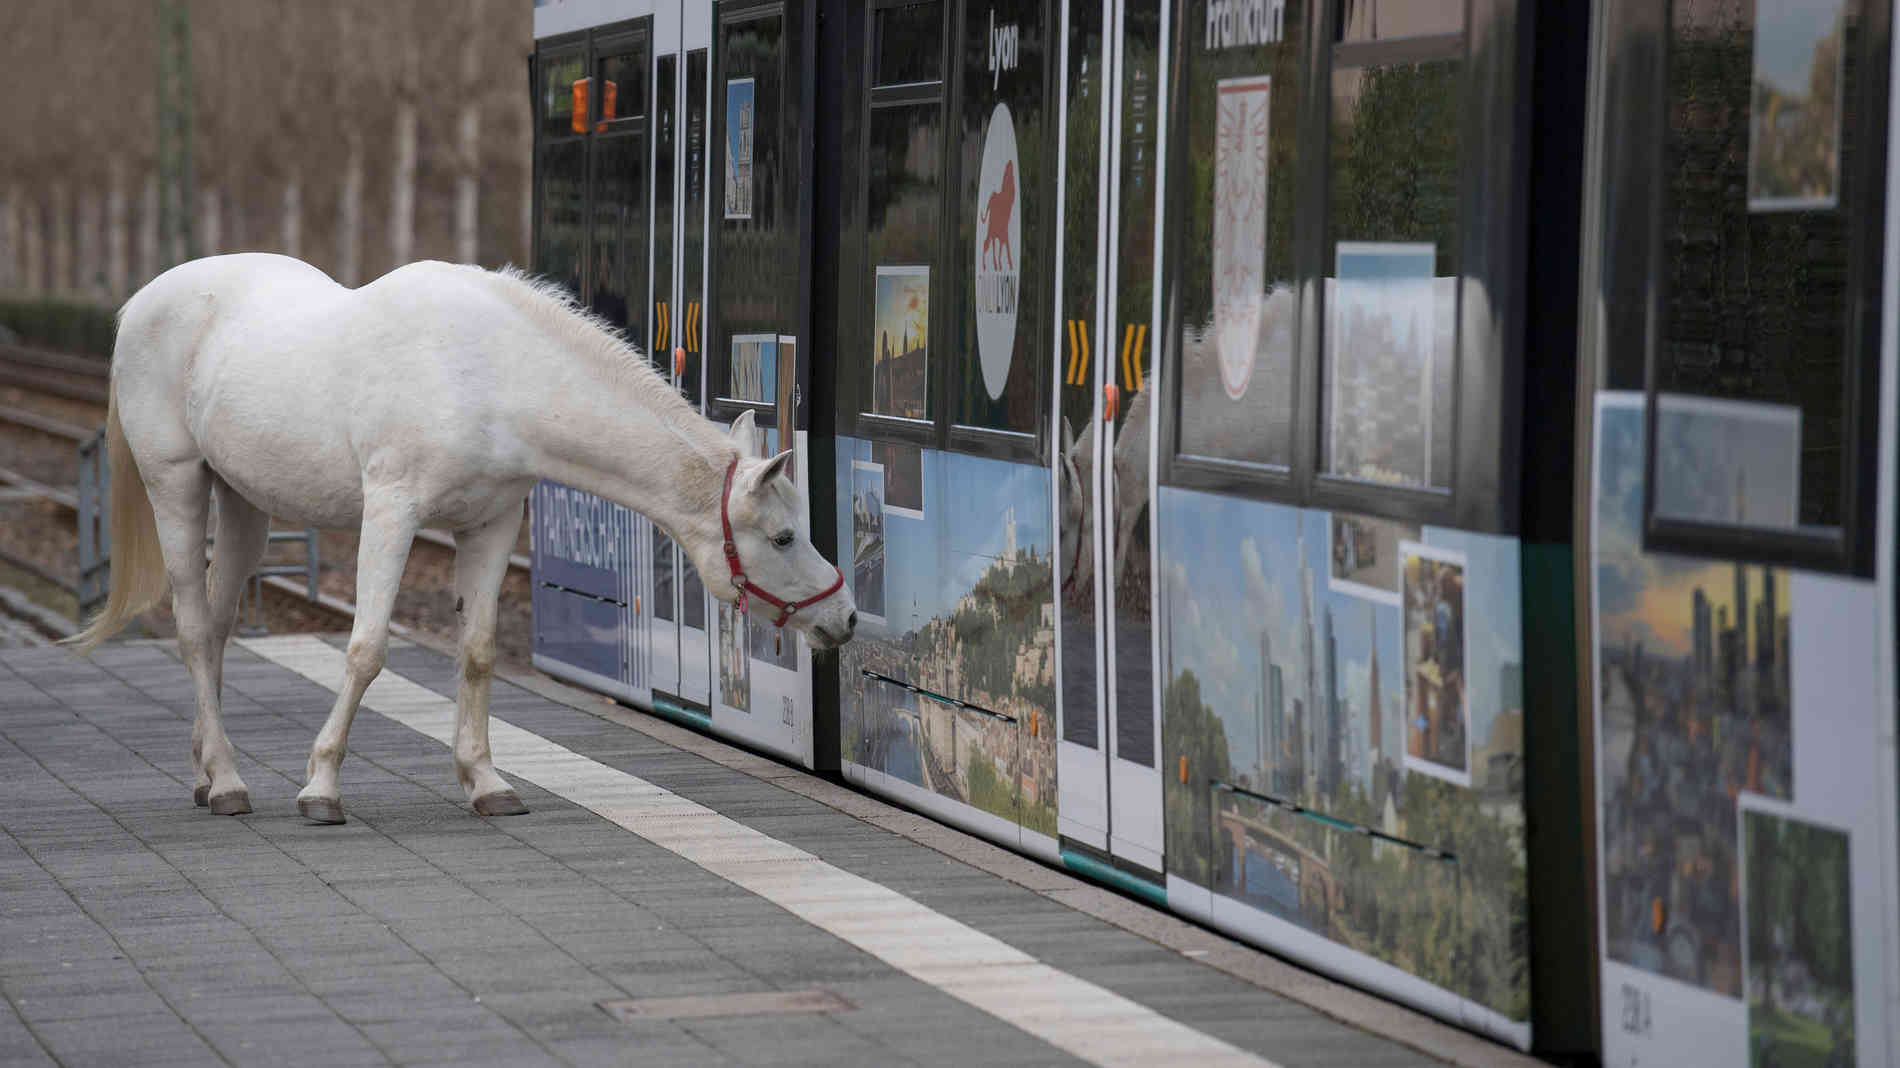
(996, 216)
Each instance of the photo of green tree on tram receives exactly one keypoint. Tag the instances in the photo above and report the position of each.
(1800, 943)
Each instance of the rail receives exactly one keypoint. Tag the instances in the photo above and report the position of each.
(79, 434)
(56, 361)
(56, 387)
(59, 428)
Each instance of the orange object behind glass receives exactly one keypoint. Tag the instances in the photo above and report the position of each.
(609, 96)
(577, 121)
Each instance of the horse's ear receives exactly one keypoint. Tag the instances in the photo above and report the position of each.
(745, 435)
(776, 466)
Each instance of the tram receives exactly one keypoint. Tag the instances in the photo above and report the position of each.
(1410, 485)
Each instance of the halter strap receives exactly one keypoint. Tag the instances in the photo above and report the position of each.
(744, 585)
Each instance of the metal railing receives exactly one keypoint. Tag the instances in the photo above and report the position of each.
(94, 499)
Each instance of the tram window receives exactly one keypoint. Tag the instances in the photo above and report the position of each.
(692, 330)
(618, 281)
(903, 197)
(666, 324)
(662, 575)
(1380, 291)
(1761, 376)
(756, 260)
(1236, 284)
(622, 88)
(909, 44)
(563, 212)
(558, 75)
(1390, 304)
(1001, 211)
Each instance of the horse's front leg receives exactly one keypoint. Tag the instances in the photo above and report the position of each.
(389, 529)
(481, 560)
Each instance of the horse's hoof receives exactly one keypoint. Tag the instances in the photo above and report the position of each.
(235, 803)
(201, 796)
(500, 803)
(321, 810)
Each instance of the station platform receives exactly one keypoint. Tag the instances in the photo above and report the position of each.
(670, 899)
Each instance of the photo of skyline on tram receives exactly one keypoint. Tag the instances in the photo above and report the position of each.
(755, 368)
(1728, 461)
(1382, 335)
(735, 661)
(1693, 708)
(741, 118)
(1283, 683)
(900, 339)
(867, 538)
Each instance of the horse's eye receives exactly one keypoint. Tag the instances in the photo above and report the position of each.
(783, 539)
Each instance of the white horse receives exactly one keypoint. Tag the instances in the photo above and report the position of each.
(433, 397)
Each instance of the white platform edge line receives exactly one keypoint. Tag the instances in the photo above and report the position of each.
(1070, 1013)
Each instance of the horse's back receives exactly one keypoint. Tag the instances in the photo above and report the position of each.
(165, 326)
(293, 388)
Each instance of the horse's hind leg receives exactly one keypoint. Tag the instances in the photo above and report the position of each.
(389, 529)
(243, 533)
(181, 496)
(481, 559)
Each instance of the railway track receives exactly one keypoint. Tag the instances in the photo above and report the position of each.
(71, 386)
(42, 372)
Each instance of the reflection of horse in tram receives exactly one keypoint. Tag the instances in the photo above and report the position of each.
(1299, 883)
(1220, 419)
(1129, 495)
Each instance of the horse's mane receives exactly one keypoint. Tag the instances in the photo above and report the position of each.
(591, 337)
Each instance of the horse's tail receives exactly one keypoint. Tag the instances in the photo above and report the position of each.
(138, 568)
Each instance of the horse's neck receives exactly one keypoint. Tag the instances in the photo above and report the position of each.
(618, 437)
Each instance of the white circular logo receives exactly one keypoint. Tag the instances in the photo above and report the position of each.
(999, 230)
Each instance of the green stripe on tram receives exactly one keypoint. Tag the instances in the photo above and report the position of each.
(1115, 877)
(673, 710)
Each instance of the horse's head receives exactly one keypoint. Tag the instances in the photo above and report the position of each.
(771, 534)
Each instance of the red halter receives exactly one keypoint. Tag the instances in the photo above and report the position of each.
(744, 585)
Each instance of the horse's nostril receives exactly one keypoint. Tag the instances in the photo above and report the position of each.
(851, 621)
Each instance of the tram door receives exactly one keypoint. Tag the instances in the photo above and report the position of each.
(682, 652)
(1108, 760)
(591, 226)
(757, 313)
